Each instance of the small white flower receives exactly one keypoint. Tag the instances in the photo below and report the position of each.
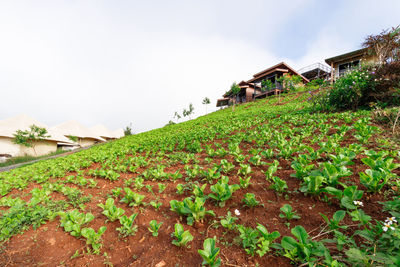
(390, 220)
(237, 212)
(358, 203)
(387, 226)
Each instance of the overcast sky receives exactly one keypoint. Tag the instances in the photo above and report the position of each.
(120, 62)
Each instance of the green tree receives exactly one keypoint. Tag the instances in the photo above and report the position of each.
(235, 89)
(206, 101)
(190, 111)
(177, 116)
(267, 85)
(170, 123)
(128, 130)
(30, 138)
(386, 45)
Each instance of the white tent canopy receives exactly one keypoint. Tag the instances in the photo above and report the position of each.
(102, 131)
(23, 122)
(74, 128)
(119, 133)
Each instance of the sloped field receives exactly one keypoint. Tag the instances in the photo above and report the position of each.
(229, 175)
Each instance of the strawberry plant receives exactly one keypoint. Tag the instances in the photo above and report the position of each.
(161, 187)
(249, 237)
(255, 160)
(110, 210)
(182, 237)
(154, 227)
(265, 241)
(347, 197)
(138, 183)
(72, 221)
(212, 174)
(374, 180)
(127, 227)
(268, 153)
(278, 185)
(271, 170)
(303, 249)
(155, 205)
(302, 167)
(181, 188)
(249, 200)
(229, 221)
(222, 191)
(244, 182)
(334, 223)
(288, 213)
(132, 198)
(198, 191)
(245, 169)
(226, 166)
(93, 238)
(194, 210)
(175, 176)
(210, 252)
(312, 185)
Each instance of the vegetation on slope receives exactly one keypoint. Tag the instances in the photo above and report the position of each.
(270, 183)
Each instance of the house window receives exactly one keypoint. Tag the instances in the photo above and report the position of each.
(345, 67)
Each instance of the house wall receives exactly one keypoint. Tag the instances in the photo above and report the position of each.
(42, 148)
(364, 60)
(249, 94)
(85, 142)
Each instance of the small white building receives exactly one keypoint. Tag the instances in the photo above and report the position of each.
(103, 132)
(10, 126)
(118, 133)
(85, 136)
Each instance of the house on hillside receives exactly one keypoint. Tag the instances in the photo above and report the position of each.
(73, 129)
(316, 71)
(272, 74)
(119, 133)
(9, 127)
(103, 132)
(342, 63)
(246, 94)
(253, 88)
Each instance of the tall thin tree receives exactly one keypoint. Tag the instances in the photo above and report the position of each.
(205, 102)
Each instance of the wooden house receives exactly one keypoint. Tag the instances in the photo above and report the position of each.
(273, 74)
(316, 71)
(342, 63)
(246, 94)
(253, 88)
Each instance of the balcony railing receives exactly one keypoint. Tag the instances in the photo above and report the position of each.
(276, 86)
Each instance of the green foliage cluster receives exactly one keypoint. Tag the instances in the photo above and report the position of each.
(238, 145)
(348, 92)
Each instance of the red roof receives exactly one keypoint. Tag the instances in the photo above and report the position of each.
(280, 67)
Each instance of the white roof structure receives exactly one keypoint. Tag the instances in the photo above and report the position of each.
(23, 122)
(102, 131)
(74, 128)
(118, 133)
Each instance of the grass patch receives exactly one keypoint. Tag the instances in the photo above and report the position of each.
(17, 160)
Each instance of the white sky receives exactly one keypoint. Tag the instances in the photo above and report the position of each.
(121, 62)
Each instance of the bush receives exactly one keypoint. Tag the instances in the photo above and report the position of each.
(349, 91)
(387, 84)
(361, 88)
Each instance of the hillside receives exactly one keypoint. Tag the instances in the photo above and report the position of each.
(254, 160)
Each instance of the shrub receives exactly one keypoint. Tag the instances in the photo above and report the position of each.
(361, 87)
(349, 90)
